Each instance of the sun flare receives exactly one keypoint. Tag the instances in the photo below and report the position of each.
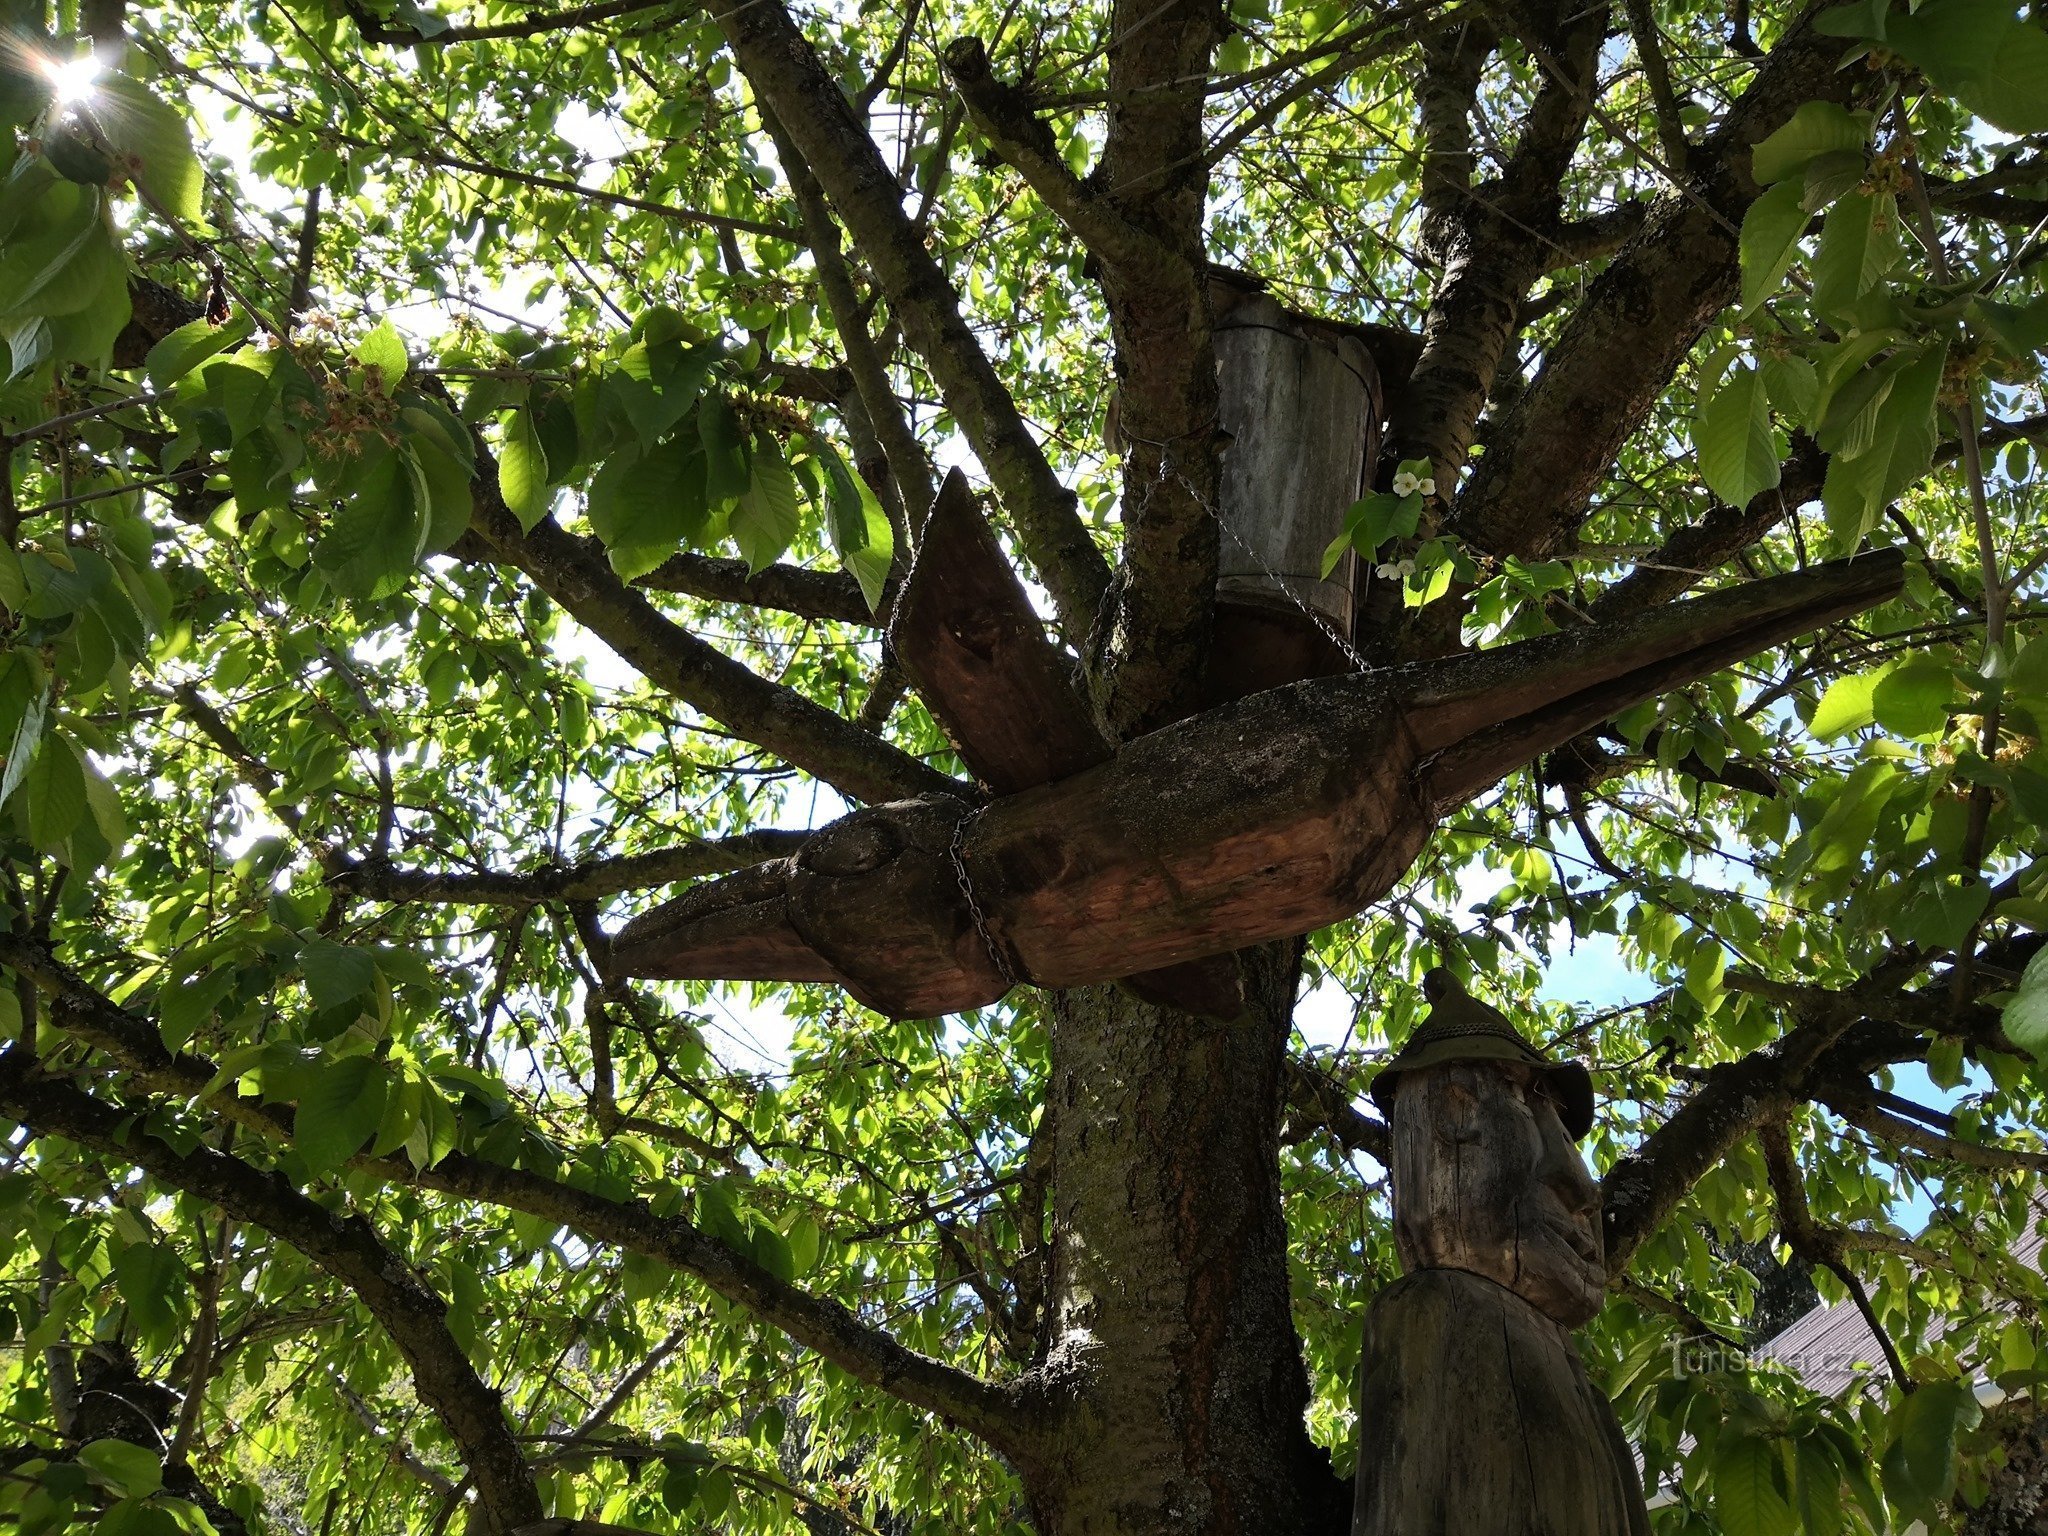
(72, 80)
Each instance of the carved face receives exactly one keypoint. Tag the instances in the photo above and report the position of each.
(1486, 1179)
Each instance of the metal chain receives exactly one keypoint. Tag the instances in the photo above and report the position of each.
(1320, 620)
(956, 854)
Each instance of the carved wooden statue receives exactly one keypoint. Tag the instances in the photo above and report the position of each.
(1263, 818)
(1475, 1414)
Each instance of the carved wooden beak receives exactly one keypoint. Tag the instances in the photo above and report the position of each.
(1262, 819)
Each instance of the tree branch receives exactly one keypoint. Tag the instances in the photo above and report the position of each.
(1666, 1306)
(909, 466)
(1153, 180)
(1818, 1244)
(1624, 342)
(255, 772)
(1861, 1110)
(992, 1411)
(1642, 26)
(1004, 116)
(590, 880)
(346, 1248)
(575, 573)
(827, 595)
(1838, 1037)
(1493, 243)
(1317, 1099)
(785, 71)
(376, 31)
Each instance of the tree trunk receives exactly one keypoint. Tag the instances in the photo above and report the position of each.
(1182, 1387)
(2016, 1501)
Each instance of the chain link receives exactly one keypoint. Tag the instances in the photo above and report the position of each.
(1320, 620)
(955, 852)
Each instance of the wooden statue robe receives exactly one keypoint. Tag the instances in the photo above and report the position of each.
(1475, 1415)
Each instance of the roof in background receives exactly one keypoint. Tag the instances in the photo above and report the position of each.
(1832, 1346)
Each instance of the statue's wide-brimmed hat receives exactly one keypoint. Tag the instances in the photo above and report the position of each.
(1462, 1028)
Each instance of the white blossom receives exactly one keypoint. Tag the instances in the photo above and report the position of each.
(1427, 485)
(1405, 484)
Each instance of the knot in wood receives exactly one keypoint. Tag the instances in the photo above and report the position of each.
(859, 845)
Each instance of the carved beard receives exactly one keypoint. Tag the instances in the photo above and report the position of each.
(1486, 1179)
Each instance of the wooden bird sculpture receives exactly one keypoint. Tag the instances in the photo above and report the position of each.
(1263, 818)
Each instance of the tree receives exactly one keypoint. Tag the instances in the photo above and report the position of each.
(459, 470)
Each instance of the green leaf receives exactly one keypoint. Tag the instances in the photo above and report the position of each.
(1704, 969)
(1770, 241)
(1818, 1488)
(714, 1492)
(1334, 555)
(449, 489)
(657, 382)
(55, 787)
(370, 545)
(1849, 425)
(1849, 704)
(1913, 700)
(185, 1005)
(28, 735)
(134, 122)
(1817, 128)
(1829, 176)
(857, 526)
(1903, 432)
(726, 475)
(2020, 330)
(129, 1469)
(554, 423)
(1791, 384)
(523, 471)
(1859, 243)
(53, 262)
(336, 973)
(1942, 916)
(2026, 1013)
(1920, 1465)
(384, 350)
(1981, 53)
(1747, 1486)
(190, 345)
(645, 506)
(153, 1517)
(766, 518)
(2028, 678)
(149, 1278)
(339, 1111)
(1737, 450)
(404, 1109)
(1859, 18)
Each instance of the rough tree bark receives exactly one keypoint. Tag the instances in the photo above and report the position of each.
(1175, 1379)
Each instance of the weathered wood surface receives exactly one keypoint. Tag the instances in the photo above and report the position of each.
(1304, 406)
(1303, 410)
(1261, 819)
(964, 631)
(1486, 1180)
(1476, 1419)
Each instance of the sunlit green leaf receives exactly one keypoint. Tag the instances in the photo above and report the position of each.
(1737, 450)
